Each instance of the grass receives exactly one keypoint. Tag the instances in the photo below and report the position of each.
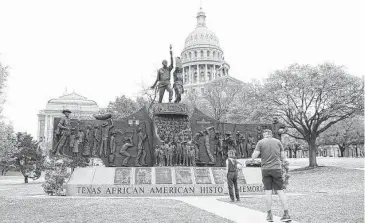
(20, 204)
(330, 194)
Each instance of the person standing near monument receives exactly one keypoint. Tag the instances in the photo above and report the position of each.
(105, 129)
(64, 130)
(278, 128)
(141, 153)
(232, 167)
(163, 79)
(178, 80)
(128, 143)
(272, 156)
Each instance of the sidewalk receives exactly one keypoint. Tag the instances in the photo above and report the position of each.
(227, 210)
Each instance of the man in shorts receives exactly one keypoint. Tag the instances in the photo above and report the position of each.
(272, 155)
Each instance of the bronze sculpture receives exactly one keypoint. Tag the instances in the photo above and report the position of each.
(141, 153)
(64, 131)
(128, 143)
(163, 79)
(178, 81)
(105, 128)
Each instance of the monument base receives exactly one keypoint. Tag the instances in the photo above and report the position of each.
(159, 181)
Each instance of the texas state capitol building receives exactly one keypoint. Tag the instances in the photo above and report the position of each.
(81, 108)
(202, 58)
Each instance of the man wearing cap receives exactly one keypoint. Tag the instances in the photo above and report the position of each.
(63, 129)
(272, 156)
(232, 167)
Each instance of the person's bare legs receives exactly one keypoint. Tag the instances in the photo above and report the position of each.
(283, 199)
(268, 196)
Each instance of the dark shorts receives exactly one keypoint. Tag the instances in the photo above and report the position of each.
(272, 179)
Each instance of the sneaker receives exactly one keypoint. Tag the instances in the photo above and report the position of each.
(238, 199)
(232, 201)
(285, 218)
(269, 218)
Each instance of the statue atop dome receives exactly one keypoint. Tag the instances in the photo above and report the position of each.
(163, 78)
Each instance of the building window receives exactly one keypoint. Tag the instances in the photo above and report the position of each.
(202, 90)
(195, 54)
(202, 77)
(209, 76)
(201, 54)
(208, 53)
(195, 77)
(213, 54)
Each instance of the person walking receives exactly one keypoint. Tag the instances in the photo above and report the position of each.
(272, 156)
(232, 167)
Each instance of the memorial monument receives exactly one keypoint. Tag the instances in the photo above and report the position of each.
(169, 153)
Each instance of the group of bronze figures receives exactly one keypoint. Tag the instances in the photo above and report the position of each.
(97, 141)
(185, 149)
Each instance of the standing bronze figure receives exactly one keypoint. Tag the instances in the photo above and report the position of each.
(163, 79)
(178, 81)
(64, 131)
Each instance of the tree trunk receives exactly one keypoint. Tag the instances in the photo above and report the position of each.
(26, 179)
(312, 153)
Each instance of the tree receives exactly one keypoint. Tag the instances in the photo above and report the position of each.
(344, 133)
(312, 99)
(4, 72)
(221, 95)
(7, 145)
(122, 107)
(26, 157)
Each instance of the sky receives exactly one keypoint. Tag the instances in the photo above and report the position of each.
(104, 49)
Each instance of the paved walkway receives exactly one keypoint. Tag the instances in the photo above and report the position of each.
(226, 210)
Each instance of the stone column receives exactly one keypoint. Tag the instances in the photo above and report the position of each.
(189, 74)
(46, 128)
(206, 72)
(198, 72)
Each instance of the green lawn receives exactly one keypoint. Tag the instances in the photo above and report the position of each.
(330, 194)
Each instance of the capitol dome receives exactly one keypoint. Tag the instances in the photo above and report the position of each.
(202, 57)
(201, 35)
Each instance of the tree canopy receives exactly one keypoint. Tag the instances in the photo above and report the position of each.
(312, 99)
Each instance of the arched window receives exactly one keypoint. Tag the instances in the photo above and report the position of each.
(189, 55)
(195, 54)
(186, 56)
(213, 54)
(208, 53)
(195, 77)
(201, 54)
